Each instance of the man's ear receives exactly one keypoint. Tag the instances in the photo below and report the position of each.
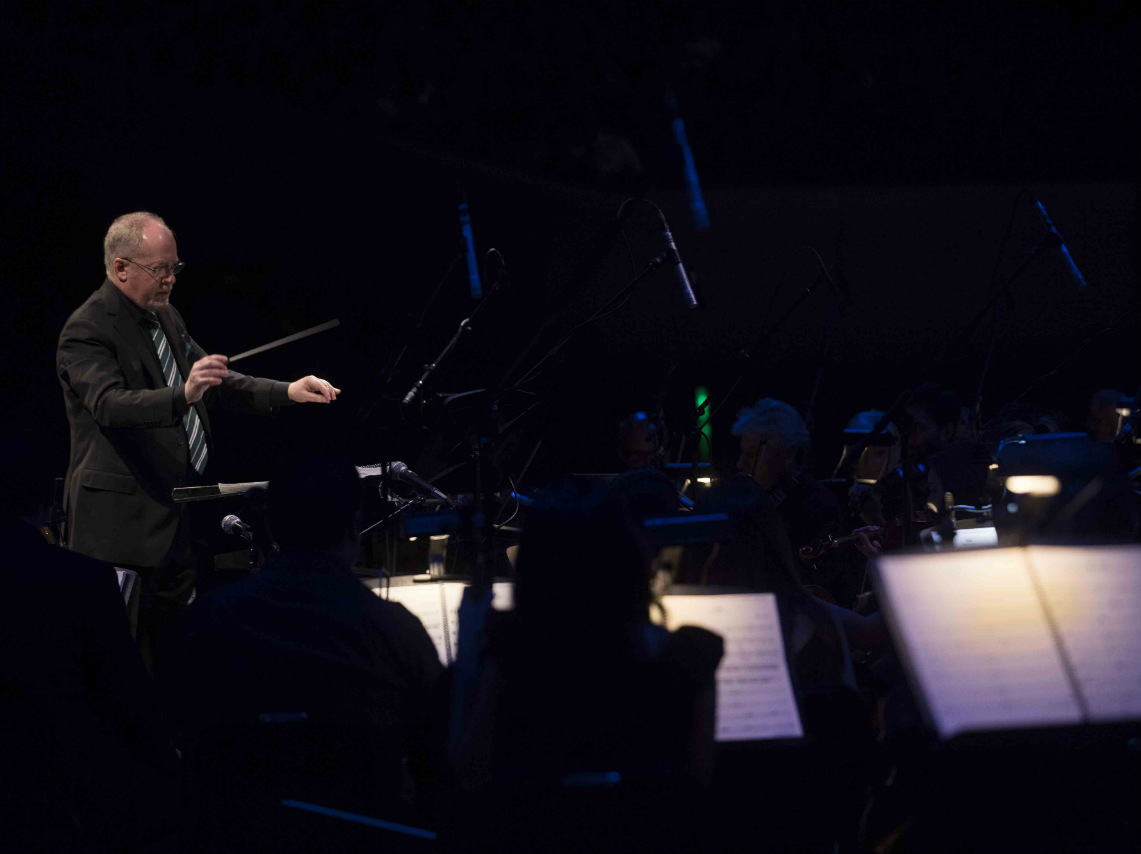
(119, 270)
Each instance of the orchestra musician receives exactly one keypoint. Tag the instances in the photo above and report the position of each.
(774, 443)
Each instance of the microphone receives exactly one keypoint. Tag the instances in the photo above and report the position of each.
(469, 246)
(400, 471)
(233, 525)
(1055, 239)
(672, 254)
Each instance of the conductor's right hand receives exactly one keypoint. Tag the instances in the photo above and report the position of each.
(207, 371)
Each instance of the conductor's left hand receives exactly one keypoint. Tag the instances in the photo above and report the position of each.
(312, 389)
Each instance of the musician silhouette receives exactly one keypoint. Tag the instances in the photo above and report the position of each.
(575, 700)
(300, 682)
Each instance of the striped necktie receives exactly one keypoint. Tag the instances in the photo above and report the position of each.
(191, 421)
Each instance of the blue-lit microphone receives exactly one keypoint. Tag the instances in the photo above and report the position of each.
(692, 185)
(469, 246)
(1056, 240)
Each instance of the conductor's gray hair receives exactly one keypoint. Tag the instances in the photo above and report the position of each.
(773, 416)
(125, 236)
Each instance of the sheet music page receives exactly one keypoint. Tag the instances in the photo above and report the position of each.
(754, 691)
(424, 600)
(430, 602)
(976, 637)
(1094, 596)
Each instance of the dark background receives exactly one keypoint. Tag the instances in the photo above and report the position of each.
(307, 156)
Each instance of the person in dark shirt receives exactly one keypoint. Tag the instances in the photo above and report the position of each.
(940, 438)
(577, 701)
(774, 441)
(306, 671)
(86, 763)
(775, 504)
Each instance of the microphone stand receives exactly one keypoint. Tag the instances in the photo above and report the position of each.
(1048, 240)
(480, 535)
(843, 301)
(608, 306)
(611, 304)
(465, 326)
(479, 515)
(743, 358)
(845, 466)
(479, 538)
(254, 558)
(389, 370)
(405, 504)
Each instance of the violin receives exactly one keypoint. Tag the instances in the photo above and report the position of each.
(828, 542)
(890, 534)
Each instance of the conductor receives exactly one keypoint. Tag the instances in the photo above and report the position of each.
(137, 389)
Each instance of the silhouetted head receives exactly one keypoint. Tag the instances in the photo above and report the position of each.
(936, 414)
(582, 561)
(313, 503)
(639, 441)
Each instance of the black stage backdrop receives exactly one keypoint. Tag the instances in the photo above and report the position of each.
(307, 156)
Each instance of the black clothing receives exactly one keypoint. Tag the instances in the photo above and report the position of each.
(760, 554)
(592, 705)
(87, 763)
(128, 444)
(808, 509)
(579, 739)
(351, 679)
(960, 468)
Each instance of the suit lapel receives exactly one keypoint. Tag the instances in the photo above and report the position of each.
(135, 337)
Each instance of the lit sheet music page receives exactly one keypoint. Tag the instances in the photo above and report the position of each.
(754, 692)
(973, 630)
(1094, 597)
(431, 602)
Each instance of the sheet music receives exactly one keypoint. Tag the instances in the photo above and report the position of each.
(977, 639)
(424, 600)
(1094, 597)
(437, 606)
(754, 691)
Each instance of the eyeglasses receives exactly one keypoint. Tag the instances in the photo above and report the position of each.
(160, 271)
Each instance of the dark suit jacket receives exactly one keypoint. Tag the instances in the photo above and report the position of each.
(128, 443)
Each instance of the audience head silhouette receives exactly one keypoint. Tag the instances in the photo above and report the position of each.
(582, 556)
(313, 503)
